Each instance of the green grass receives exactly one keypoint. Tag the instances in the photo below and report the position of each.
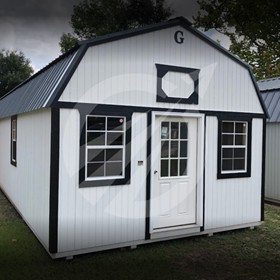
(242, 254)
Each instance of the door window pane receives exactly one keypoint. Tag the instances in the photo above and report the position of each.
(164, 168)
(174, 149)
(165, 130)
(183, 167)
(183, 130)
(184, 149)
(174, 167)
(164, 149)
(174, 130)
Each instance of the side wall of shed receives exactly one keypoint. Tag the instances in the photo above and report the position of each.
(237, 201)
(272, 177)
(27, 184)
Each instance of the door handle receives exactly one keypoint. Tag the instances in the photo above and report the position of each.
(155, 172)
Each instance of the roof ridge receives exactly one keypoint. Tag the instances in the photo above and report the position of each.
(268, 79)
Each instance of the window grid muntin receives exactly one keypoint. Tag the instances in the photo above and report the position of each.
(234, 147)
(106, 147)
(170, 139)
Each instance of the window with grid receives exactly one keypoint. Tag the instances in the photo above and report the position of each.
(234, 145)
(174, 149)
(14, 140)
(105, 147)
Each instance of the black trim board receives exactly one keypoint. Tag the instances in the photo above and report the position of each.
(263, 169)
(148, 178)
(54, 181)
(67, 76)
(221, 175)
(105, 108)
(204, 176)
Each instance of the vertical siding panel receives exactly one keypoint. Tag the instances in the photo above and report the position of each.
(272, 178)
(97, 216)
(232, 201)
(68, 179)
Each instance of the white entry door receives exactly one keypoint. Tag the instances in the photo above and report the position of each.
(174, 151)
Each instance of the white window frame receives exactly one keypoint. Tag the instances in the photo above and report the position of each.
(234, 147)
(104, 147)
(169, 158)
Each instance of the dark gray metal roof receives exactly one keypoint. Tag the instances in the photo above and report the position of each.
(44, 88)
(270, 89)
(269, 84)
(35, 92)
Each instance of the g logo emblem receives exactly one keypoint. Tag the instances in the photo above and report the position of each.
(178, 37)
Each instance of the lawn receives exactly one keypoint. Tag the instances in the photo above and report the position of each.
(241, 254)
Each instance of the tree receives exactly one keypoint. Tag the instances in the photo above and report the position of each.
(67, 41)
(92, 18)
(253, 28)
(14, 68)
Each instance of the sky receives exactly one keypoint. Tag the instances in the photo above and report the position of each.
(35, 27)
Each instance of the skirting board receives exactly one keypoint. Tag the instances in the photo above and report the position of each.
(142, 242)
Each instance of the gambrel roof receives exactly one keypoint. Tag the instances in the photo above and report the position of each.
(45, 87)
(270, 89)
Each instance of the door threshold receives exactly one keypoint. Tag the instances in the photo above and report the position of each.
(175, 227)
(175, 231)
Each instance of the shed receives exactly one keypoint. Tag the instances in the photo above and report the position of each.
(135, 137)
(270, 89)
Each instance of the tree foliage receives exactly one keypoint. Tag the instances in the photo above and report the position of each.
(14, 68)
(253, 27)
(67, 41)
(92, 18)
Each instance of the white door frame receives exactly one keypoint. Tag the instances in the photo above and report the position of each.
(200, 165)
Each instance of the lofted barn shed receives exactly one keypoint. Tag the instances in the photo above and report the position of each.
(270, 89)
(135, 137)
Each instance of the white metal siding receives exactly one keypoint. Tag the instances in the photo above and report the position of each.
(237, 201)
(97, 216)
(272, 176)
(27, 185)
(123, 72)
